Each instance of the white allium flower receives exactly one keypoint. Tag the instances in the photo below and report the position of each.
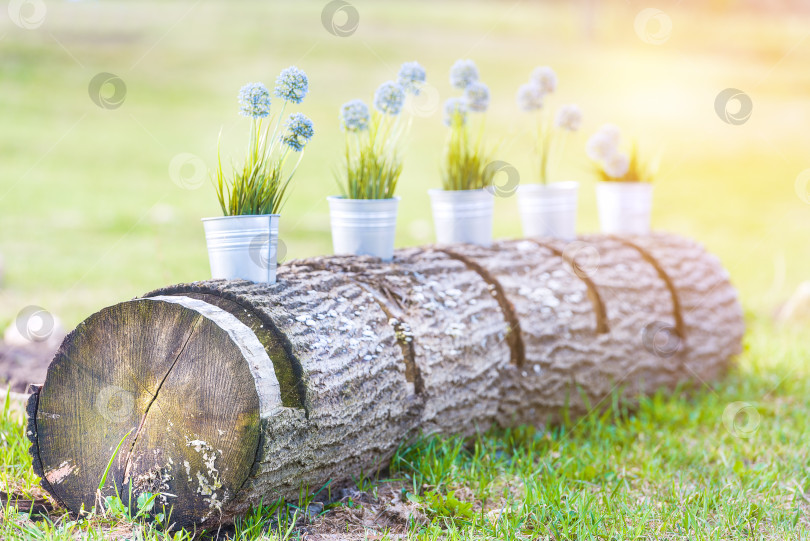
(612, 133)
(476, 97)
(599, 148)
(545, 78)
(299, 132)
(569, 117)
(463, 73)
(389, 98)
(603, 144)
(455, 109)
(254, 100)
(354, 116)
(411, 77)
(529, 97)
(617, 165)
(292, 85)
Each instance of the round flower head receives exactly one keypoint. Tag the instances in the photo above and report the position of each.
(476, 97)
(455, 108)
(389, 98)
(611, 133)
(463, 73)
(569, 117)
(299, 132)
(354, 116)
(292, 85)
(254, 100)
(545, 78)
(604, 144)
(411, 77)
(617, 165)
(529, 97)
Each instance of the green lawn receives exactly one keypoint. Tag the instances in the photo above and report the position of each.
(89, 216)
(728, 462)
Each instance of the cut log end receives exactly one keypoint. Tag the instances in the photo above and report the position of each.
(172, 380)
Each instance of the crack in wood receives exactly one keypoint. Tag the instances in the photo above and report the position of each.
(514, 336)
(292, 393)
(294, 397)
(599, 309)
(677, 310)
(128, 460)
(406, 343)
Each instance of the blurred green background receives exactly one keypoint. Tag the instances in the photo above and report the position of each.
(89, 214)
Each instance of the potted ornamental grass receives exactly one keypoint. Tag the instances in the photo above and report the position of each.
(364, 217)
(548, 207)
(624, 190)
(463, 208)
(243, 242)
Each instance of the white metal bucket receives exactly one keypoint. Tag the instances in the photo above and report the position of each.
(549, 210)
(624, 207)
(462, 216)
(363, 226)
(243, 247)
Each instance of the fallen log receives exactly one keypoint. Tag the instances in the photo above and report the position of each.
(225, 392)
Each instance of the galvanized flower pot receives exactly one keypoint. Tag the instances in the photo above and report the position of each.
(463, 216)
(624, 207)
(363, 226)
(549, 210)
(243, 247)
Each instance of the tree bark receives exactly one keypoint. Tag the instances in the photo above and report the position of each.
(225, 392)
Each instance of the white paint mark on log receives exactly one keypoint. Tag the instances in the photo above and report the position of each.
(58, 475)
(208, 483)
